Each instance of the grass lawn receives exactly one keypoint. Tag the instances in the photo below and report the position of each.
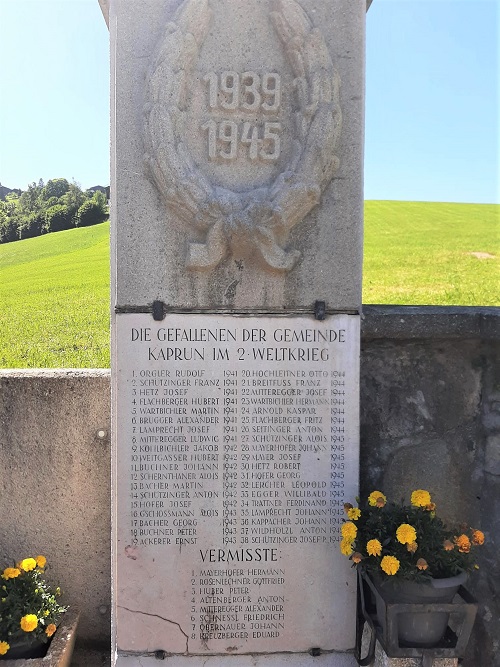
(54, 296)
(431, 254)
(54, 289)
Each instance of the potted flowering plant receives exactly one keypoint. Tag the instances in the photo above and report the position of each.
(29, 610)
(411, 556)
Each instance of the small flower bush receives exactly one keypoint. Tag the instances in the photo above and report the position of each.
(406, 541)
(29, 609)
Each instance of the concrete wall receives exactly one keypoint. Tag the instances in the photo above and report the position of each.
(430, 418)
(55, 483)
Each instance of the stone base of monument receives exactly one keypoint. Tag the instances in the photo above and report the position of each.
(270, 660)
(383, 660)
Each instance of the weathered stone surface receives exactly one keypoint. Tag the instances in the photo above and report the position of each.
(382, 660)
(238, 148)
(234, 463)
(54, 435)
(275, 660)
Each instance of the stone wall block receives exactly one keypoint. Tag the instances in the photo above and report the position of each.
(54, 430)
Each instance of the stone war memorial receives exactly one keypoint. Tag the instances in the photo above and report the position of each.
(237, 141)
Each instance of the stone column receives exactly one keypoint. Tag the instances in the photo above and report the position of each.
(237, 246)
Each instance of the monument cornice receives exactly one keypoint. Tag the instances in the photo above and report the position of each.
(104, 4)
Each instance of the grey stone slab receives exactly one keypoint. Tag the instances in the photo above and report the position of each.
(236, 447)
(237, 153)
(274, 660)
(424, 322)
(383, 660)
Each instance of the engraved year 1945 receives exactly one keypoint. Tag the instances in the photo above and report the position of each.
(248, 92)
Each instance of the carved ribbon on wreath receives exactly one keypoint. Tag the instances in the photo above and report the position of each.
(266, 214)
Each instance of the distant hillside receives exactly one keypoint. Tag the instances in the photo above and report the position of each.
(4, 191)
(100, 188)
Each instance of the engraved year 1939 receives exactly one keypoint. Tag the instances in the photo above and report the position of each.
(248, 92)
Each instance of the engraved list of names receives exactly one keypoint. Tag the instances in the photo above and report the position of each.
(238, 444)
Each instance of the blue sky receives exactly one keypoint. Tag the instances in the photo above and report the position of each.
(432, 97)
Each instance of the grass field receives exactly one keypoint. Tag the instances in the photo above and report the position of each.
(54, 296)
(431, 254)
(54, 290)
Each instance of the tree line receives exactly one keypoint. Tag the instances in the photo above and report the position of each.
(49, 207)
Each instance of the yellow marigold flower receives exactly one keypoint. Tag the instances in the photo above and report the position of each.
(411, 547)
(448, 545)
(374, 548)
(41, 561)
(354, 513)
(4, 647)
(11, 573)
(356, 557)
(50, 629)
(349, 530)
(477, 537)
(346, 547)
(420, 498)
(463, 544)
(29, 622)
(389, 564)
(406, 534)
(28, 564)
(375, 498)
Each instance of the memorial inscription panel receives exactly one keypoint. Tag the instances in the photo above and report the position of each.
(237, 445)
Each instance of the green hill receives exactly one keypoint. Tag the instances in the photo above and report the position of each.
(54, 289)
(54, 295)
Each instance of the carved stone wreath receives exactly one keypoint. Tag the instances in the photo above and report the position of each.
(265, 214)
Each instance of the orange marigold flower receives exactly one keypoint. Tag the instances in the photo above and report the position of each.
(431, 507)
(50, 629)
(354, 513)
(389, 564)
(11, 573)
(420, 498)
(347, 507)
(448, 545)
(356, 557)
(41, 561)
(463, 543)
(29, 622)
(422, 564)
(376, 499)
(477, 537)
(406, 534)
(4, 647)
(412, 547)
(374, 548)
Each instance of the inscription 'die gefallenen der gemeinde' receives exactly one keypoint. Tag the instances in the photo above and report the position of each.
(237, 439)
